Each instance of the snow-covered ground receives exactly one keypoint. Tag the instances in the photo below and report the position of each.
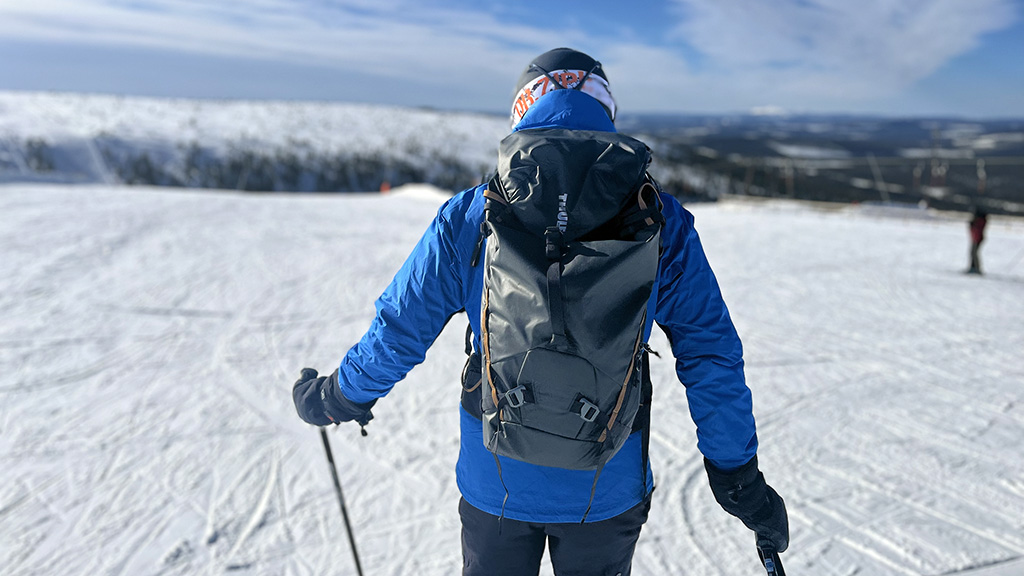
(149, 339)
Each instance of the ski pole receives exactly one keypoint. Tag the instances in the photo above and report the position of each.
(771, 561)
(341, 499)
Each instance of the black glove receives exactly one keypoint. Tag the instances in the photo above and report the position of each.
(319, 401)
(744, 494)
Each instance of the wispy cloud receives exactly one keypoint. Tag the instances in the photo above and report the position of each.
(825, 51)
(801, 54)
(384, 37)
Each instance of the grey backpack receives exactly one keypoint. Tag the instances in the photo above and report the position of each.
(573, 223)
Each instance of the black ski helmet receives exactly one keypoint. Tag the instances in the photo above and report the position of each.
(567, 59)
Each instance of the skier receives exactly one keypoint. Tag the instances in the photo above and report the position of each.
(505, 530)
(977, 229)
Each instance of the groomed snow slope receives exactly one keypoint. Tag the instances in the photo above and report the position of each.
(149, 340)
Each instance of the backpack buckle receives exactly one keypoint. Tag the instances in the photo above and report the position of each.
(553, 243)
(589, 411)
(515, 397)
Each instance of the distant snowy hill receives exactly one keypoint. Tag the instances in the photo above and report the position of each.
(337, 147)
(248, 145)
(263, 145)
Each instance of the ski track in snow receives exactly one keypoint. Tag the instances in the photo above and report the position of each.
(150, 339)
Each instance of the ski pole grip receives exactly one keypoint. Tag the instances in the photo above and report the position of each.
(771, 561)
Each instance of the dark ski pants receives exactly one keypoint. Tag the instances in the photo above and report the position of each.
(602, 548)
(975, 257)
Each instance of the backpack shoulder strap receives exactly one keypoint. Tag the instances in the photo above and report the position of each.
(494, 195)
(649, 207)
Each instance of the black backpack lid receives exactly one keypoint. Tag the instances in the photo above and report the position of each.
(597, 172)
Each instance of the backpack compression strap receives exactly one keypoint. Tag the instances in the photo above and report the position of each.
(553, 248)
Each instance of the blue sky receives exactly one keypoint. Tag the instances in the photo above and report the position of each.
(892, 57)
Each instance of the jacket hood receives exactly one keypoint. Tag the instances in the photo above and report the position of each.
(570, 109)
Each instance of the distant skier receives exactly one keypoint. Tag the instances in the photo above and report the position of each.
(977, 229)
(589, 511)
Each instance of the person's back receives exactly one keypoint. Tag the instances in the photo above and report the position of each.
(978, 223)
(505, 530)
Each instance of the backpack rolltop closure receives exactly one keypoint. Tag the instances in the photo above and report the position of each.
(573, 225)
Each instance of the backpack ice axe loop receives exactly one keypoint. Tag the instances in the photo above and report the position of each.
(515, 397)
(589, 411)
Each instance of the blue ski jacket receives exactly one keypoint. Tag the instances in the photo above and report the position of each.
(438, 281)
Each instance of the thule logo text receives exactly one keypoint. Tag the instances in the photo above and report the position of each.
(563, 213)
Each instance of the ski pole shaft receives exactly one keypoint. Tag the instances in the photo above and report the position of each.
(341, 499)
(771, 561)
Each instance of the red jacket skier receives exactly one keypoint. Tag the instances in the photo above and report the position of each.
(977, 227)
